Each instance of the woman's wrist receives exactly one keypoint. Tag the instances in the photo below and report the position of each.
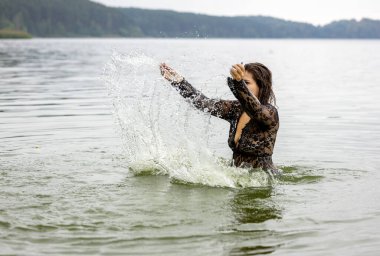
(178, 79)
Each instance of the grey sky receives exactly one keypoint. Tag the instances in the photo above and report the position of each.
(312, 11)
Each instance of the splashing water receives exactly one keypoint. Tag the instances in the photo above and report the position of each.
(162, 133)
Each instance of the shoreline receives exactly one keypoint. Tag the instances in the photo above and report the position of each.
(14, 34)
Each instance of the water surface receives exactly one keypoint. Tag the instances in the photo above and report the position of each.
(69, 110)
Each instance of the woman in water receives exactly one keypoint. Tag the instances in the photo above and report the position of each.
(253, 119)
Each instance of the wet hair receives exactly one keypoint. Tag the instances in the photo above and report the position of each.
(263, 78)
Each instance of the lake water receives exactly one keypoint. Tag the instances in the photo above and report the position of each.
(99, 155)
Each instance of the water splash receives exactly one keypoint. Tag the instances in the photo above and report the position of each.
(164, 135)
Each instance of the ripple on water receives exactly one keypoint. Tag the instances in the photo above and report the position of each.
(299, 175)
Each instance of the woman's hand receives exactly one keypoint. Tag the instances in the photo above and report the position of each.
(170, 74)
(237, 72)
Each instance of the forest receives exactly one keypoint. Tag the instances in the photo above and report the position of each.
(84, 18)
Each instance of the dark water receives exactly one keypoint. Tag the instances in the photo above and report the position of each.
(65, 183)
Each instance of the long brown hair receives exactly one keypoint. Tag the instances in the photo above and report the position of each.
(263, 78)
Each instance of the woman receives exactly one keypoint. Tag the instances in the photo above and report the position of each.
(253, 119)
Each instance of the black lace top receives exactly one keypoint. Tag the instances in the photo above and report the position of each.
(256, 143)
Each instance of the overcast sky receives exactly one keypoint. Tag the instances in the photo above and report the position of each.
(312, 11)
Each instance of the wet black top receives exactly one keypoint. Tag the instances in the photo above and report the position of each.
(255, 146)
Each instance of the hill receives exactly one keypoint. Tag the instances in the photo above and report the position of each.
(83, 18)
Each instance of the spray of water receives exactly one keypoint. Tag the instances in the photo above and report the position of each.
(161, 132)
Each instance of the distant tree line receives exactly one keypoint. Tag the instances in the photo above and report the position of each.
(83, 18)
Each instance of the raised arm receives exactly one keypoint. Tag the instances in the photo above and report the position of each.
(220, 108)
(266, 114)
(216, 107)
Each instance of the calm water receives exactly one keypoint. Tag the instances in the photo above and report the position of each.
(77, 115)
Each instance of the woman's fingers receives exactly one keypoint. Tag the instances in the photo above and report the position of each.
(235, 71)
(170, 74)
(240, 69)
(162, 66)
(162, 69)
(165, 67)
(166, 71)
(171, 71)
(235, 74)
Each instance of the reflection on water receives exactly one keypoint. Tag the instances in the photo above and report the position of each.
(254, 205)
(251, 208)
(252, 250)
